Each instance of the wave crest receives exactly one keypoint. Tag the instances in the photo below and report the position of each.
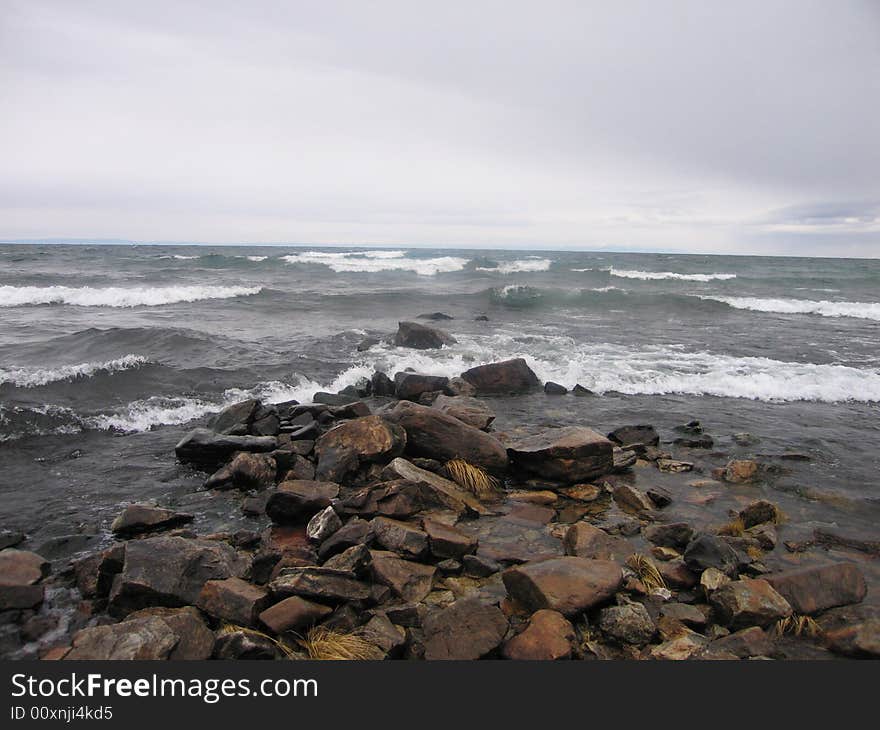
(659, 275)
(17, 296)
(860, 310)
(24, 377)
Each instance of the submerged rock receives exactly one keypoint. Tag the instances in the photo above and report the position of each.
(583, 540)
(635, 435)
(710, 551)
(507, 377)
(203, 447)
(569, 455)
(139, 518)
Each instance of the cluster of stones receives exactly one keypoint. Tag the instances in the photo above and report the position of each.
(367, 535)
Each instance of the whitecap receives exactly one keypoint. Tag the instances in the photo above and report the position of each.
(16, 296)
(24, 377)
(520, 266)
(660, 275)
(860, 310)
(376, 261)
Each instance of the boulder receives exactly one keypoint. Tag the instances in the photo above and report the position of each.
(252, 471)
(233, 600)
(466, 409)
(195, 640)
(758, 513)
(580, 391)
(421, 337)
(630, 498)
(685, 613)
(379, 631)
(235, 419)
(814, 588)
(397, 498)
(299, 500)
(437, 435)
(245, 645)
(204, 448)
(548, 636)
(323, 525)
(744, 643)
(740, 471)
(438, 489)
(381, 384)
(408, 580)
(861, 640)
(406, 540)
(635, 435)
(22, 567)
(507, 377)
(410, 386)
(567, 584)
(448, 542)
(467, 629)
(292, 614)
(711, 551)
(551, 388)
(354, 532)
(169, 571)
(139, 518)
(629, 623)
(673, 534)
(148, 637)
(356, 559)
(569, 455)
(20, 597)
(749, 602)
(583, 540)
(321, 584)
(363, 440)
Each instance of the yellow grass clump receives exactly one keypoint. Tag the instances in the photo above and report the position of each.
(734, 528)
(283, 646)
(798, 625)
(330, 645)
(646, 571)
(472, 478)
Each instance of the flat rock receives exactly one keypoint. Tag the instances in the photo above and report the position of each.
(402, 538)
(749, 602)
(861, 640)
(466, 409)
(203, 447)
(140, 518)
(364, 440)
(744, 643)
(148, 637)
(814, 588)
(293, 613)
(584, 540)
(421, 337)
(711, 551)
(567, 584)
(448, 542)
(22, 567)
(740, 471)
(569, 455)
(506, 377)
(408, 580)
(322, 584)
(437, 435)
(233, 600)
(547, 637)
(299, 500)
(633, 435)
(672, 534)
(442, 490)
(466, 630)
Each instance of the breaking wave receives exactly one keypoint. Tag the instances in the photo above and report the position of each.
(24, 377)
(16, 296)
(519, 266)
(375, 261)
(860, 310)
(656, 275)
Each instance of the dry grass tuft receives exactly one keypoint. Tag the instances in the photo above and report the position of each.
(472, 478)
(734, 528)
(287, 649)
(798, 625)
(645, 569)
(329, 645)
(754, 552)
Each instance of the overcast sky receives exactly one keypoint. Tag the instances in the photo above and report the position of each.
(736, 127)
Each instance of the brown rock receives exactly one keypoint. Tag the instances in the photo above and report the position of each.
(629, 497)
(507, 377)
(568, 584)
(252, 471)
(22, 567)
(745, 643)
(404, 539)
(300, 500)
(757, 513)
(195, 640)
(548, 636)
(322, 584)
(408, 580)
(437, 435)
(467, 629)
(569, 455)
(628, 623)
(541, 496)
(293, 613)
(857, 640)
(448, 542)
(148, 637)
(677, 575)
(816, 588)
(438, 489)
(468, 410)
(20, 597)
(344, 448)
(411, 386)
(139, 518)
(583, 540)
(749, 602)
(233, 600)
(740, 471)
(674, 534)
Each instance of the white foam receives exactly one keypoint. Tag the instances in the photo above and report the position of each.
(376, 261)
(16, 296)
(658, 275)
(179, 257)
(256, 259)
(860, 310)
(520, 266)
(23, 377)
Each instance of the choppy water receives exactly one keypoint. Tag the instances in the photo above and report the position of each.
(107, 353)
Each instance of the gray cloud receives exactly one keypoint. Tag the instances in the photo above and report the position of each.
(712, 127)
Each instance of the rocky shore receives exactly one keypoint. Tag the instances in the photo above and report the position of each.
(399, 525)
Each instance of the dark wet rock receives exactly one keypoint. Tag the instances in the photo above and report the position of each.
(436, 435)
(835, 538)
(479, 566)
(435, 316)
(860, 640)
(366, 343)
(148, 637)
(169, 571)
(10, 538)
(399, 498)
(335, 399)
(710, 551)
(388, 639)
(701, 441)
(548, 636)
(568, 455)
(363, 440)
(436, 489)
(660, 496)
(448, 542)
(629, 623)
(320, 584)
(408, 580)
(252, 471)
(356, 559)
(814, 588)
(406, 540)
(466, 409)
(481, 318)
(551, 388)
(628, 497)
(233, 600)
(674, 466)
(411, 386)
(292, 614)
(323, 525)
(299, 467)
(354, 532)
(22, 567)
(765, 534)
(677, 575)
(381, 384)
(749, 602)
(467, 629)
(746, 643)
(195, 639)
(758, 513)
(94, 573)
(685, 613)
(460, 386)
(583, 540)
(507, 377)
(299, 500)
(20, 597)
(245, 645)
(581, 392)
(623, 459)
(673, 534)
(634, 435)
(421, 337)
(140, 518)
(236, 419)
(203, 447)
(568, 584)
